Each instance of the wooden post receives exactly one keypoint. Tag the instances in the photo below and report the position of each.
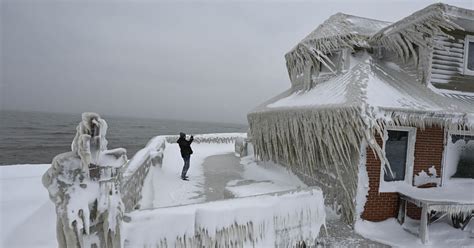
(424, 235)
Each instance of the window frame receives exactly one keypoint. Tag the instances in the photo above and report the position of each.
(447, 138)
(467, 39)
(390, 186)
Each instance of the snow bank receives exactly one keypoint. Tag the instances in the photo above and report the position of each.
(263, 177)
(424, 178)
(280, 219)
(27, 216)
(257, 189)
(262, 171)
(390, 232)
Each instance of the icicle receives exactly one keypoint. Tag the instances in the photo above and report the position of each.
(418, 29)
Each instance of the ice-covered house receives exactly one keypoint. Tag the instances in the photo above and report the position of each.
(380, 115)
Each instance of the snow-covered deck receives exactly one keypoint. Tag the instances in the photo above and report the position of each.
(214, 166)
(456, 191)
(456, 198)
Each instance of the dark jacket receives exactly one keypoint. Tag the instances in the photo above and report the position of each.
(185, 146)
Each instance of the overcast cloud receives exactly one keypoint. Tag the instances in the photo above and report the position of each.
(205, 61)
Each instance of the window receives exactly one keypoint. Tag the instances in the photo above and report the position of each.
(335, 58)
(469, 55)
(399, 147)
(396, 147)
(459, 162)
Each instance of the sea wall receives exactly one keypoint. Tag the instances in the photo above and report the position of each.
(281, 219)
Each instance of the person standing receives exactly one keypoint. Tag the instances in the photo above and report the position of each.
(186, 151)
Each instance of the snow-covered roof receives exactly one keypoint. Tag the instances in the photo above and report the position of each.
(340, 25)
(402, 37)
(377, 85)
(420, 28)
(340, 30)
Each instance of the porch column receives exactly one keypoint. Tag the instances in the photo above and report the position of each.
(424, 235)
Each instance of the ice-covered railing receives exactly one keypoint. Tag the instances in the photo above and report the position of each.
(135, 171)
(219, 138)
(281, 219)
(137, 168)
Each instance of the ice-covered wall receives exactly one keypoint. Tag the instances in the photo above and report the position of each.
(137, 168)
(84, 184)
(272, 220)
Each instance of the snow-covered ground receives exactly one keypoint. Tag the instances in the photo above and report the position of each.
(261, 178)
(390, 232)
(27, 216)
(164, 187)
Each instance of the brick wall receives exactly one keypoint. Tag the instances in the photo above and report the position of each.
(379, 206)
(429, 148)
(428, 152)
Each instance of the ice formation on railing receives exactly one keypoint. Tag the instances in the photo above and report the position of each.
(218, 138)
(137, 169)
(272, 220)
(151, 151)
(84, 184)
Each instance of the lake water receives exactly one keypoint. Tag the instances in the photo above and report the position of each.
(37, 137)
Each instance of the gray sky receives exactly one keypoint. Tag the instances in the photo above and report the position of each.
(205, 61)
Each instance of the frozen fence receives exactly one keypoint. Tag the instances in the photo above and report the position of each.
(137, 168)
(272, 220)
(217, 138)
